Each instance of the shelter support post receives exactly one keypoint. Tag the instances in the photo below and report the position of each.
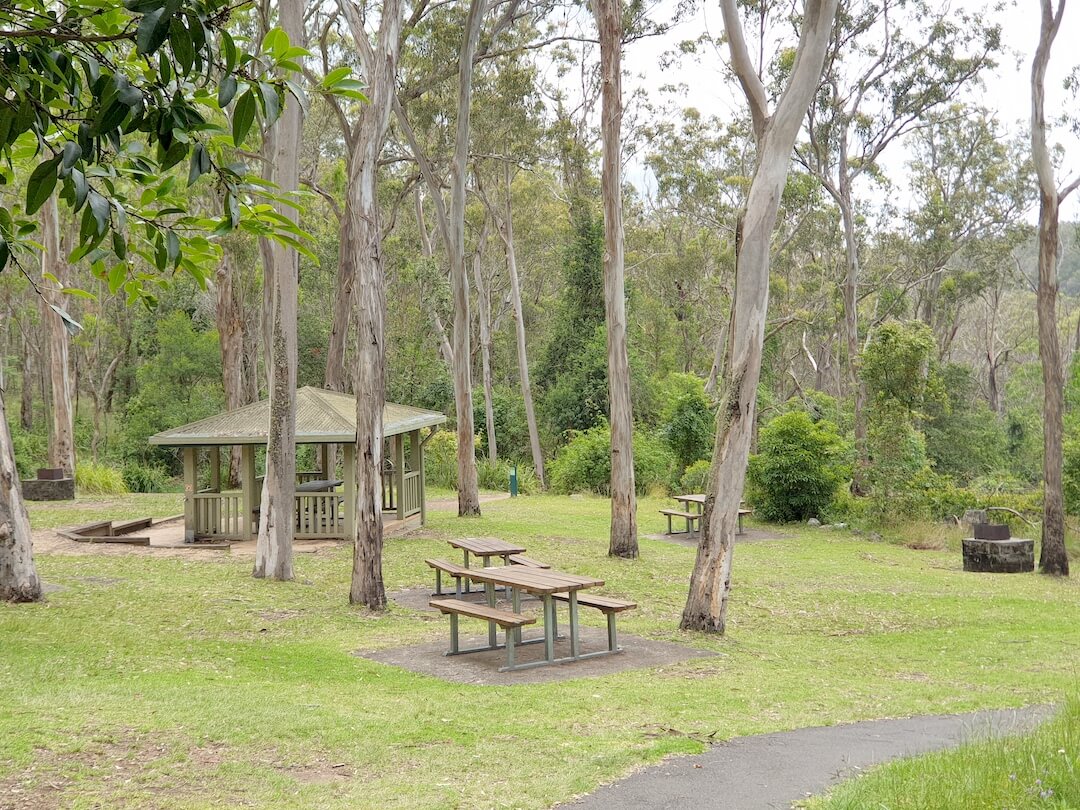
(247, 489)
(399, 474)
(324, 461)
(349, 476)
(191, 486)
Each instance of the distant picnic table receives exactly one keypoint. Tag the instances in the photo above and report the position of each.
(693, 506)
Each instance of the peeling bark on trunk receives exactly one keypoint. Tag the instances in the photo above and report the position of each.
(26, 390)
(18, 577)
(364, 248)
(277, 515)
(506, 230)
(483, 306)
(623, 538)
(62, 435)
(230, 325)
(1053, 558)
(445, 349)
(710, 583)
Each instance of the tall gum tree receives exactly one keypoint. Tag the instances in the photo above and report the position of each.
(774, 134)
(274, 547)
(1053, 558)
(623, 537)
(19, 581)
(361, 244)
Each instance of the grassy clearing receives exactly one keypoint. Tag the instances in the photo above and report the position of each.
(177, 683)
(1036, 770)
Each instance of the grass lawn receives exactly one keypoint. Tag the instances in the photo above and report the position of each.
(178, 683)
(1036, 770)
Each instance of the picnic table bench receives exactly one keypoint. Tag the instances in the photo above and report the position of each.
(697, 500)
(510, 622)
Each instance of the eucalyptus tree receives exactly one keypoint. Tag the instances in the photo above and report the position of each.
(623, 537)
(55, 278)
(775, 131)
(277, 524)
(1053, 558)
(890, 63)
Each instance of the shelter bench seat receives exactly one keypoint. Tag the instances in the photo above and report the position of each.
(606, 605)
(689, 517)
(521, 559)
(508, 620)
(458, 572)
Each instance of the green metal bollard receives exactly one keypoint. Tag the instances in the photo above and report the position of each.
(513, 482)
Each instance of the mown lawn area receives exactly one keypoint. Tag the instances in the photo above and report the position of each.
(166, 682)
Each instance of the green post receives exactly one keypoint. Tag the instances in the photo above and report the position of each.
(513, 482)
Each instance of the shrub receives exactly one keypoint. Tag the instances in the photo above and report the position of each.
(696, 476)
(92, 478)
(798, 467)
(143, 478)
(584, 464)
(688, 428)
(31, 449)
(440, 460)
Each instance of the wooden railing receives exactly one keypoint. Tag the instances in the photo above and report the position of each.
(410, 493)
(303, 476)
(318, 514)
(219, 515)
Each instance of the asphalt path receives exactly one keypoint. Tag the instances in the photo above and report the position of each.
(771, 771)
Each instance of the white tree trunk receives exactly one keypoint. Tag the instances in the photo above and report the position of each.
(18, 577)
(483, 306)
(277, 515)
(468, 485)
(506, 230)
(1053, 558)
(710, 583)
(62, 435)
(367, 586)
(623, 540)
(335, 377)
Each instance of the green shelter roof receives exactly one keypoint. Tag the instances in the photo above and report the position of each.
(321, 416)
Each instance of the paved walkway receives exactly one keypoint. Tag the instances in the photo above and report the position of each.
(773, 770)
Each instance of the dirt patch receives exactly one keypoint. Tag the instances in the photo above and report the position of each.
(748, 536)
(482, 668)
(318, 773)
(449, 504)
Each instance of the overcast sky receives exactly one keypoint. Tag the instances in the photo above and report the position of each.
(1007, 90)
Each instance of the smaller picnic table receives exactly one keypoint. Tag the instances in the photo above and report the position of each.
(485, 548)
(544, 583)
(698, 499)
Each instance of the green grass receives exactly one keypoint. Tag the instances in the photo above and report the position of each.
(1040, 769)
(169, 682)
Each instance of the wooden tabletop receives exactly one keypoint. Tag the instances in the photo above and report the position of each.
(318, 486)
(486, 546)
(692, 498)
(537, 581)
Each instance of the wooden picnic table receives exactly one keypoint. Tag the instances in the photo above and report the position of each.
(698, 500)
(544, 583)
(485, 548)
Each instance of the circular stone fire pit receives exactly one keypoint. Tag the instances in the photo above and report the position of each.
(994, 551)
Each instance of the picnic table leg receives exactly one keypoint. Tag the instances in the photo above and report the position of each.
(454, 634)
(740, 523)
(493, 639)
(468, 582)
(516, 598)
(573, 625)
(612, 639)
(438, 582)
(510, 633)
(549, 627)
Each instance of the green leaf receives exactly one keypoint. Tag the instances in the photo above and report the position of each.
(117, 276)
(182, 47)
(271, 105)
(243, 117)
(154, 28)
(5, 253)
(119, 245)
(172, 247)
(226, 91)
(72, 152)
(200, 163)
(41, 184)
(229, 49)
(78, 179)
(143, 6)
(99, 207)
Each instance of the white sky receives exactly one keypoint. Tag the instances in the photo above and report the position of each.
(1007, 90)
